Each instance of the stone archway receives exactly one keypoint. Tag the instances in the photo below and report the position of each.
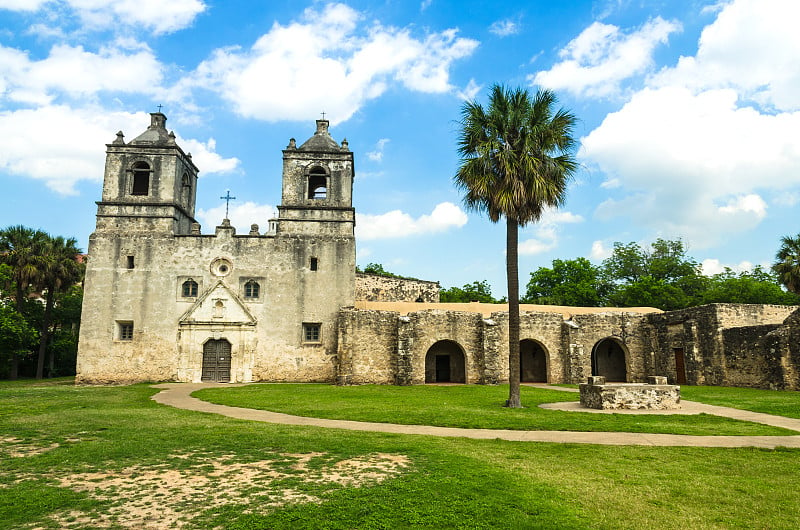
(216, 361)
(608, 360)
(532, 362)
(444, 363)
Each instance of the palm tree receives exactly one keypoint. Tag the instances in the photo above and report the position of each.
(788, 265)
(517, 157)
(59, 269)
(20, 248)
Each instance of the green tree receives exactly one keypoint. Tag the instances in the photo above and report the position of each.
(470, 292)
(517, 156)
(787, 266)
(749, 287)
(59, 269)
(572, 282)
(17, 336)
(21, 249)
(662, 276)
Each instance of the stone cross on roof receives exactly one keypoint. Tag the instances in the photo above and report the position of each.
(228, 200)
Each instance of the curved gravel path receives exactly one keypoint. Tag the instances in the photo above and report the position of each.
(179, 395)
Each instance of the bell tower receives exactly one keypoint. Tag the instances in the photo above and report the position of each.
(317, 186)
(150, 184)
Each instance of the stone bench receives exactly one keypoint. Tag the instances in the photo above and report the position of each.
(656, 394)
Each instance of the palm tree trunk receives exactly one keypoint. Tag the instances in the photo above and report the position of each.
(512, 273)
(45, 334)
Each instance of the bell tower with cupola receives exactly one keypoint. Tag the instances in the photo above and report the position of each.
(317, 186)
(150, 184)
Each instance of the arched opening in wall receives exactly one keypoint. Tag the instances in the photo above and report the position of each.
(317, 183)
(444, 363)
(141, 179)
(186, 190)
(608, 360)
(216, 361)
(532, 362)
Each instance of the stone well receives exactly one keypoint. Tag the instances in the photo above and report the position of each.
(656, 394)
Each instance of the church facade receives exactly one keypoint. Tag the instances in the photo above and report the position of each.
(165, 302)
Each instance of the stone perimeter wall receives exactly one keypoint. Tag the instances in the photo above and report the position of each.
(374, 288)
(722, 344)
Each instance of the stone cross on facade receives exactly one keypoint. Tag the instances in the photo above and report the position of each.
(159, 108)
(228, 200)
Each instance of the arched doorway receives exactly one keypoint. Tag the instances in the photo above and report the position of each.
(444, 363)
(608, 360)
(532, 362)
(216, 361)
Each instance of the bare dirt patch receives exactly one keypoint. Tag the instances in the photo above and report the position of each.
(18, 448)
(173, 495)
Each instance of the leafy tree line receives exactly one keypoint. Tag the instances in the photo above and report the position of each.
(40, 302)
(663, 276)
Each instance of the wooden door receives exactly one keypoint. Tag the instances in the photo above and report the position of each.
(680, 366)
(217, 361)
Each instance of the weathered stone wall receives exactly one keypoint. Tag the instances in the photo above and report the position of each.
(375, 288)
(544, 328)
(746, 364)
(700, 333)
(367, 349)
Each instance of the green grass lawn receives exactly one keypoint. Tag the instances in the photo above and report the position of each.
(109, 457)
(469, 406)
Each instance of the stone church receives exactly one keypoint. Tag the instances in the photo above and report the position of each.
(165, 302)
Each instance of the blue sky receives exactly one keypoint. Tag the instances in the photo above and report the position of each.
(689, 116)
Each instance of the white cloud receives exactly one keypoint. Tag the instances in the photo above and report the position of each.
(281, 77)
(377, 154)
(61, 145)
(425, 5)
(546, 231)
(21, 5)
(504, 28)
(396, 224)
(77, 73)
(601, 57)
(470, 91)
(599, 251)
(695, 150)
(157, 16)
(713, 266)
(752, 47)
(241, 216)
(206, 158)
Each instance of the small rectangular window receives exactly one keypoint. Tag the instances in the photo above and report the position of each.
(130, 262)
(314, 264)
(311, 332)
(125, 330)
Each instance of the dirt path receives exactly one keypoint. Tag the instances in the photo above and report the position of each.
(179, 395)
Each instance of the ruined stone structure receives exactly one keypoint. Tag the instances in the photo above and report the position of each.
(375, 288)
(165, 302)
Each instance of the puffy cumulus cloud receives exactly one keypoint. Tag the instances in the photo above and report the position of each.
(545, 231)
(329, 59)
(694, 150)
(21, 5)
(58, 144)
(397, 224)
(61, 145)
(377, 154)
(206, 158)
(157, 16)
(712, 266)
(751, 46)
(77, 73)
(504, 28)
(602, 56)
(599, 251)
(242, 216)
